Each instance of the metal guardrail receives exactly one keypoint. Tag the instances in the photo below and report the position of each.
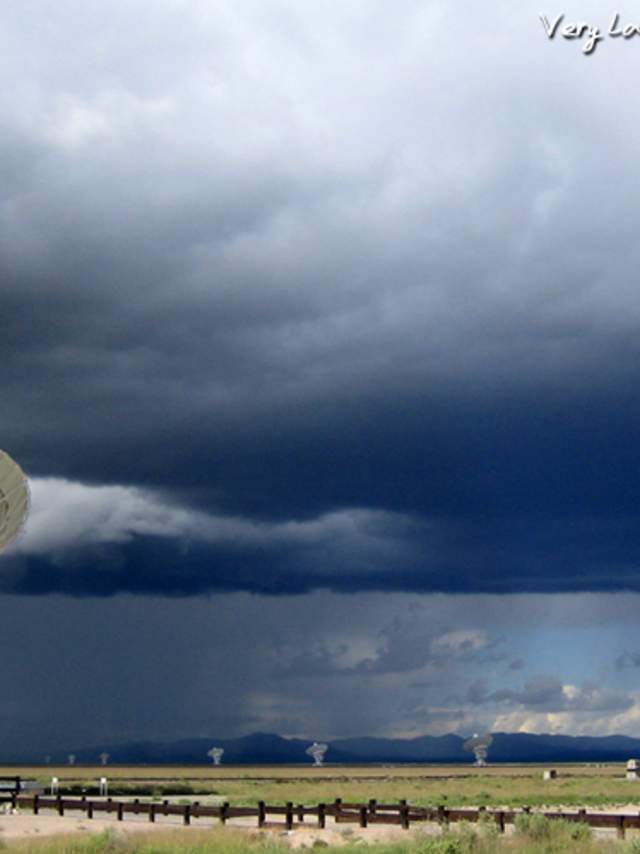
(402, 813)
(9, 787)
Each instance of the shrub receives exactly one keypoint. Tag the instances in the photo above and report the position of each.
(447, 844)
(541, 829)
(488, 828)
(108, 841)
(534, 826)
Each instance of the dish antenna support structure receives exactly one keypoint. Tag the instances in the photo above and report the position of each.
(14, 500)
(317, 752)
(479, 746)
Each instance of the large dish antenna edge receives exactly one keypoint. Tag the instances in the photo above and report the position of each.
(15, 500)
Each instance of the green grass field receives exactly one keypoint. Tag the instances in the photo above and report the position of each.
(536, 837)
(452, 785)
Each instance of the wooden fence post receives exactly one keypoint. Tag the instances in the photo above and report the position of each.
(60, 806)
(620, 827)
(363, 816)
(501, 821)
(152, 812)
(120, 811)
(301, 813)
(186, 818)
(262, 814)
(35, 804)
(322, 815)
(441, 815)
(289, 815)
(404, 817)
(90, 809)
(373, 804)
(224, 809)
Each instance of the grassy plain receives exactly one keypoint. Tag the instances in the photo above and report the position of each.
(538, 838)
(452, 785)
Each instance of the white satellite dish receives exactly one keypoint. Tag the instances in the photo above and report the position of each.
(317, 752)
(479, 745)
(14, 499)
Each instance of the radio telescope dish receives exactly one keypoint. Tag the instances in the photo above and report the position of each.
(479, 746)
(317, 752)
(14, 499)
(216, 753)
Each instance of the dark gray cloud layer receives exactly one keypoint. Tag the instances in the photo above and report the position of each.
(96, 672)
(269, 270)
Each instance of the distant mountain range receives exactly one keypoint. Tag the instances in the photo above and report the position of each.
(263, 748)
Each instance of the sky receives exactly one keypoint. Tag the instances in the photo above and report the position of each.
(320, 350)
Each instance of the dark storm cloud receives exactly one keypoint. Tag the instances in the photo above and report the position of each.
(266, 271)
(376, 554)
(94, 672)
(547, 693)
(627, 659)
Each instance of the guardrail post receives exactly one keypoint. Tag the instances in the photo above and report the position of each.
(60, 806)
(289, 816)
(322, 815)
(301, 813)
(224, 809)
(35, 804)
(152, 812)
(262, 813)
(187, 814)
(120, 811)
(90, 809)
(363, 816)
(404, 816)
(620, 827)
